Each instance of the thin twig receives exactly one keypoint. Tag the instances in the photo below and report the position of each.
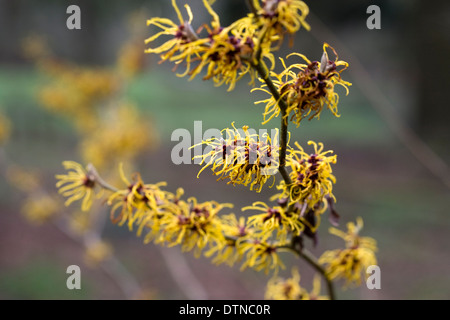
(176, 264)
(309, 258)
(93, 171)
(112, 267)
(120, 274)
(263, 72)
(312, 260)
(283, 148)
(182, 274)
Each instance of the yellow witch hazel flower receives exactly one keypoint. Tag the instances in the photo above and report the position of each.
(260, 254)
(184, 44)
(137, 201)
(77, 184)
(224, 253)
(130, 60)
(41, 208)
(282, 16)
(192, 225)
(290, 289)
(226, 58)
(307, 88)
(81, 222)
(234, 230)
(165, 217)
(275, 219)
(225, 52)
(351, 262)
(131, 56)
(76, 88)
(256, 250)
(123, 133)
(75, 91)
(285, 289)
(234, 227)
(311, 175)
(242, 158)
(97, 252)
(23, 179)
(231, 51)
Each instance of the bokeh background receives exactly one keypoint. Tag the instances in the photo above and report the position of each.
(391, 140)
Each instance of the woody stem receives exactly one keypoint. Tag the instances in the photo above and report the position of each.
(263, 72)
(102, 183)
(312, 261)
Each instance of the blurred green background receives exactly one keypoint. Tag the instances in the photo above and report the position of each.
(404, 207)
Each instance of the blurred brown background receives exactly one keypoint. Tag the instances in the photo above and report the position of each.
(405, 206)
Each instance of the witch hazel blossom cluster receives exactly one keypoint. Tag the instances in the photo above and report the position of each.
(261, 233)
